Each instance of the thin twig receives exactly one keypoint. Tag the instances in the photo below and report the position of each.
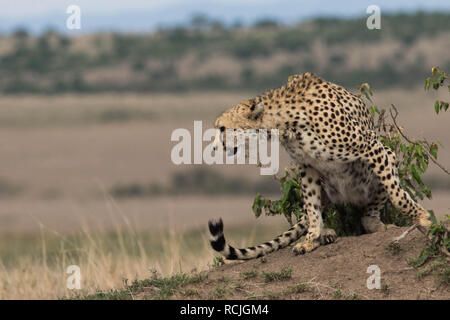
(394, 118)
(424, 231)
(404, 234)
(131, 293)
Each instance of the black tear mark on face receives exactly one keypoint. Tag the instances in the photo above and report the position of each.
(256, 111)
(257, 116)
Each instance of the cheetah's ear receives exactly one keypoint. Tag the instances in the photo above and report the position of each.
(256, 110)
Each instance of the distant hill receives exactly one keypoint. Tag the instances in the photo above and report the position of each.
(207, 55)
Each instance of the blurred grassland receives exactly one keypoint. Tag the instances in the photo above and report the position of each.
(87, 109)
(34, 267)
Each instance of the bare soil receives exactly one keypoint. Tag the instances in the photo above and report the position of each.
(335, 271)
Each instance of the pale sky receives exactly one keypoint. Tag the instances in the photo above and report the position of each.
(144, 15)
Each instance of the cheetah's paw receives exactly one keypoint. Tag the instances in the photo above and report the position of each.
(373, 224)
(327, 236)
(305, 246)
(424, 219)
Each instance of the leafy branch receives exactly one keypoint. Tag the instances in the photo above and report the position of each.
(437, 79)
(291, 202)
(431, 149)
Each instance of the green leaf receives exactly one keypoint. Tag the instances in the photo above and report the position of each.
(389, 144)
(257, 204)
(416, 174)
(424, 255)
(403, 148)
(427, 192)
(422, 164)
(418, 150)
(436, 107)
(373, 110)
(432, 216)
(434, 71)
(427, 84)
(434, 150)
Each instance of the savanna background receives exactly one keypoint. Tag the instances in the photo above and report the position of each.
(86, 118)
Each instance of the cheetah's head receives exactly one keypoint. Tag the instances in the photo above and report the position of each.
(243, 116)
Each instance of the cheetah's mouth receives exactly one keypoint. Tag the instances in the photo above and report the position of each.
(218, 142)
(231, 151)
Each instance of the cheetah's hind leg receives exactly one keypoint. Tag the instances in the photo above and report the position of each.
(383, 165)
(370, 220)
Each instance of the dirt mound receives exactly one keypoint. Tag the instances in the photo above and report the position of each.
(335, 271)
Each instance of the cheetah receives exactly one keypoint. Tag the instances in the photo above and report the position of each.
(329, 134)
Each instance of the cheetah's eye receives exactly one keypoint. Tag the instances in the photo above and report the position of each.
(256, 111)
(222, 129)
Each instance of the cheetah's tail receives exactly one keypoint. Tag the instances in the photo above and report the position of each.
(219, 244)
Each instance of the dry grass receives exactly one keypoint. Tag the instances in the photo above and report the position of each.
(106, 260)
(33, 266)
(35, 277)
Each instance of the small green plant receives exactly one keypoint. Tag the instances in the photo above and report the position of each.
(438, 245)
(337, 294)
(273, 295)
(394, 248)
(249, 274)
(218, 261)
(299, 288)
(221, 291)
(284, 274)
(385, 289)
(191, 293)
(161, 288)
(423, 273)
(440, 269)
(225, 279)
(354, 296)
(239, 286)
(443, 276)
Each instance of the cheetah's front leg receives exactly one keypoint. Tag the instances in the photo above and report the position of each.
(317, 234)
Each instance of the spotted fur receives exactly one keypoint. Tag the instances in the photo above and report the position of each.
(329, 134)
